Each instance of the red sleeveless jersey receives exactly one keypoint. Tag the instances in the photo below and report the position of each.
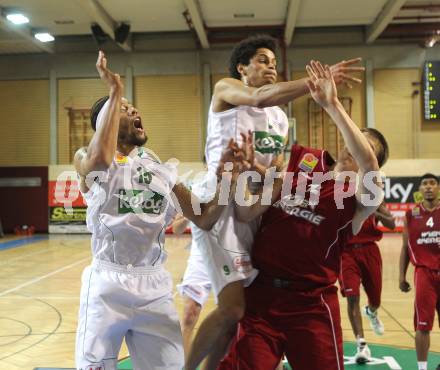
(299, 239)
(424, 237)
(369, 233)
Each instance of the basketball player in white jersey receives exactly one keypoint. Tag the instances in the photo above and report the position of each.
(195, 286)
(247, 101)
(126, 292)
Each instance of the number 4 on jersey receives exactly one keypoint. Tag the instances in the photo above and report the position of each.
(430, 222)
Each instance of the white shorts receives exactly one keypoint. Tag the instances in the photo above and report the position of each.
(225, 250)
(195, 283)
(134, 303)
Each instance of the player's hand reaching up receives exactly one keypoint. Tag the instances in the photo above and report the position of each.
(230, 160)
(247, 151)
(242, 157)
(342, 72)
(321, 84)
(113, 80)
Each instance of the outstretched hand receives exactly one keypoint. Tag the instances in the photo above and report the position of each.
(343, 72)
(113, 80)
(321, 84)
(242, 157)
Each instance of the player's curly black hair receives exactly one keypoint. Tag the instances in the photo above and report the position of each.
(384, 152)
(96, 108)
(246, 49)
(429, 176)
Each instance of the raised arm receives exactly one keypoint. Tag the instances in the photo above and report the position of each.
(233, 92)
(404, 286)
(211, 211)
(102, 146)
(323, 90)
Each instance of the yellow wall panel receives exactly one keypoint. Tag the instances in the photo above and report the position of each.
(170, 107)
(24, 127)
(217, 77)
(394, 109)
(77, 94)
(429, 143)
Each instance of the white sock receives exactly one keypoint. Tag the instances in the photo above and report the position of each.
(423, 365)
(361, 341)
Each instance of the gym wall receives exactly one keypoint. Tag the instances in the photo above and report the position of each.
(300, 107)
(24, 127)
(170, 107)
(74, 93)
(168, 91)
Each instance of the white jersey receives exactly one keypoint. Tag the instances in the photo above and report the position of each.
(227, 246)
(269, 127)
(129, 208)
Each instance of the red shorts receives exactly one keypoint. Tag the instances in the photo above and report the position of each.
(362, 265)
(278, 321)
(427, 284)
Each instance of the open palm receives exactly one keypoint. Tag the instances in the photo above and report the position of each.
(113, 80)
(321, 84)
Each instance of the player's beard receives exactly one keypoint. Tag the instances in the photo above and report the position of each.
(132, 139)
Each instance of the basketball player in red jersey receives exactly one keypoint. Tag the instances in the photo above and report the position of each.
(292, 306)
(421, 246)
(361, 263)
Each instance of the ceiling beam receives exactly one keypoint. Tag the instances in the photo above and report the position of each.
(197, 21)
(383, 19)
(103, 19)
(25, 32)
(292, 15)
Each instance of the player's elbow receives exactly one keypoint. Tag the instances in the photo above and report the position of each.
(260, 101)
(260, 98)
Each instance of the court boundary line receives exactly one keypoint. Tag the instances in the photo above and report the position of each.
(398, 322)
(17, 258)
(36, 280)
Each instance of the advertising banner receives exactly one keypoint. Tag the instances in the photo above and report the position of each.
(67, 208)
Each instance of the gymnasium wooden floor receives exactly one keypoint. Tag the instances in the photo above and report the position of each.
(39, 290)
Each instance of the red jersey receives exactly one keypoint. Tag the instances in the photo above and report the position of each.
(424, 237)
(300, 240)
(369, 233)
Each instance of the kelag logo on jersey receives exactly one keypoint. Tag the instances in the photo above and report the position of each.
(140, 201)
(266, 143)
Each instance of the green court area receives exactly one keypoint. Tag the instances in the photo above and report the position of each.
(384, 358)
